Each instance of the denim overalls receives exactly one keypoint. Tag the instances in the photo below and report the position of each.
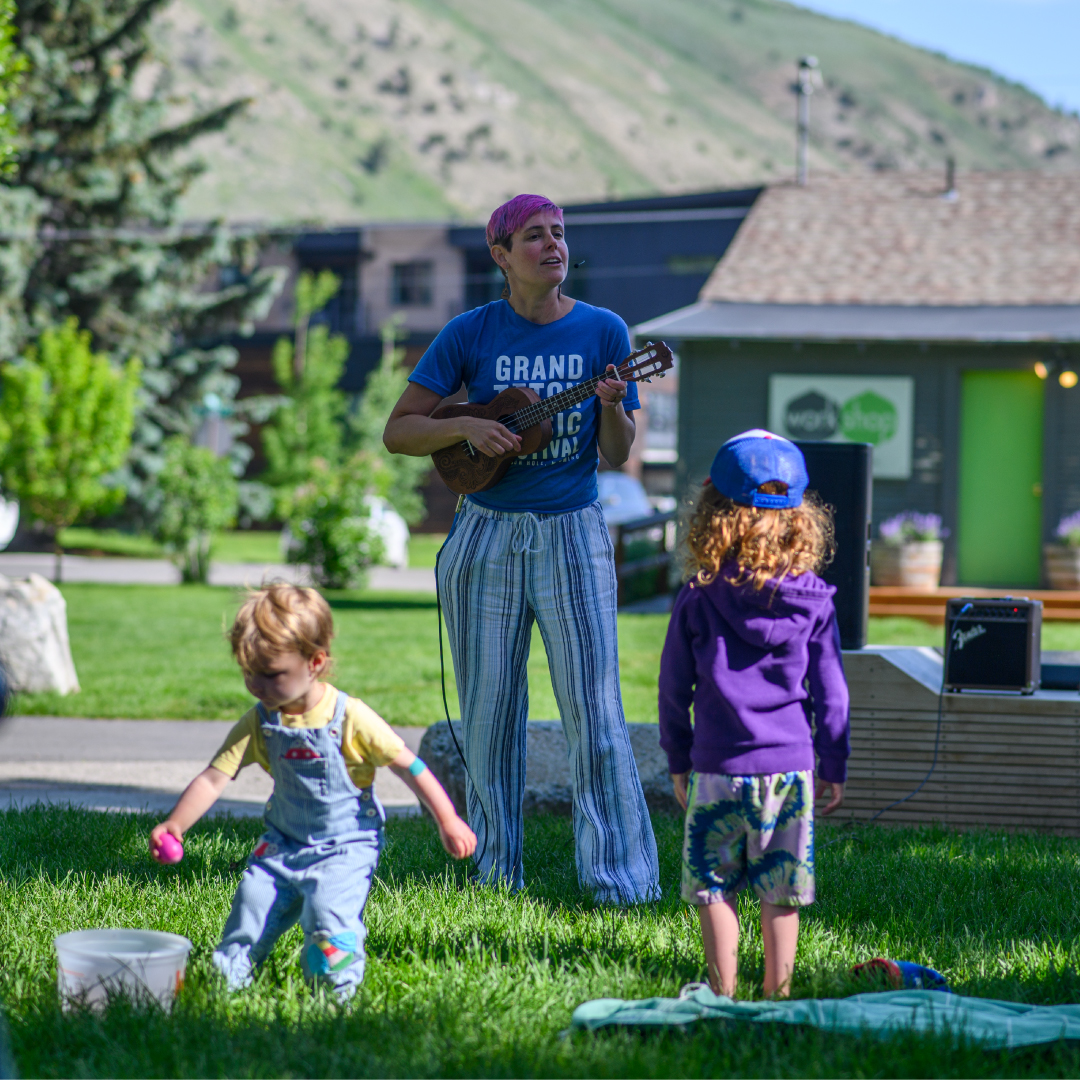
(314, 863)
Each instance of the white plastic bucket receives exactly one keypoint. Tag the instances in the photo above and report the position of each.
(93, 964)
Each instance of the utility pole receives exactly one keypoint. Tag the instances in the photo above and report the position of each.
(809, 77)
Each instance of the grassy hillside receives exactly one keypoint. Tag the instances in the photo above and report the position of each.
(368, 109)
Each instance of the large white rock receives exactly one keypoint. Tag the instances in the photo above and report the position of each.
(34, 644)
(392, 530)
(547, 769)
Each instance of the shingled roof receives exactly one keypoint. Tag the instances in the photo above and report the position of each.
(894, 239)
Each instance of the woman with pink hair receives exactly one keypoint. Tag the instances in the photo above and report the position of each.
(534, 547)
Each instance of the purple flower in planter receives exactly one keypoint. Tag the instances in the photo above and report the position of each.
(1068, 530)
(911, 526)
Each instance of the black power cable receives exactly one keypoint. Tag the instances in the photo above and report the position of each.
(933, 763)
(937, 736)
(922, 783)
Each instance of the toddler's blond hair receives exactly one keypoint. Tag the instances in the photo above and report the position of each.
(280, 618)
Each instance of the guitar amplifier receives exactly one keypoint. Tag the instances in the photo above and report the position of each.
(993, 644)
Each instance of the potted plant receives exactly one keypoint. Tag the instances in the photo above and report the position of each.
(908, 551)
(1063, 557)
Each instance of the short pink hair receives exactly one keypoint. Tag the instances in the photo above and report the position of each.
(510, 217)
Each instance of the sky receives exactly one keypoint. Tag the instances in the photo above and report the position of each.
(1035, 42)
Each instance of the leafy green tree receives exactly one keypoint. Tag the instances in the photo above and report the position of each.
(193, 497)
(381, 391)
(106, 164)
(329, 520)
(19, 208)
(310, 423)
(66, 416)
(12, 66)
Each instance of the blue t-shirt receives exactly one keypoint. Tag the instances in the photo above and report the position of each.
(493, 347)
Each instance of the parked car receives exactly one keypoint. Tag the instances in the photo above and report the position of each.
(622, 498)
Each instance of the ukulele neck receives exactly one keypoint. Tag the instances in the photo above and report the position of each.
(548, 407)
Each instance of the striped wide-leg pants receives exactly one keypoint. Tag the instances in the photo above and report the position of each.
(497, 573)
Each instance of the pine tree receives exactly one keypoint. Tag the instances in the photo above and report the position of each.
(108, 165)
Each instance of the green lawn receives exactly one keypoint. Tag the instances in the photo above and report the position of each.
(903, 631)
(422, 550)
(238, 545)
(464, 982)
(150, 651)
(235, 546)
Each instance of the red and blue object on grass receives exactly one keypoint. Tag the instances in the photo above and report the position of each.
(904, 975)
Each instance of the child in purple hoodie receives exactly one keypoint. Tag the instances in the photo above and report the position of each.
(753, 647)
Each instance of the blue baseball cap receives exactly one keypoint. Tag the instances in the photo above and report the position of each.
(753, 458)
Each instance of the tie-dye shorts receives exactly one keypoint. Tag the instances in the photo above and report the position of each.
(750, 830)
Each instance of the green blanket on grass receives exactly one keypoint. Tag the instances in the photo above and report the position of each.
(992, 1023)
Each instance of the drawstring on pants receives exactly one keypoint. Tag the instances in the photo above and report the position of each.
(526, 531)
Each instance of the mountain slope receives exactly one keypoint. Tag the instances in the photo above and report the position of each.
(405, 109)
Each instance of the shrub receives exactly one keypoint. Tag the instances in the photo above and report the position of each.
(309, 421)
(66, 417)
(194, 496)
(382, 389)
(329, 519)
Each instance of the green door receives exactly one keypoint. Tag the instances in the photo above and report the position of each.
(999, 537)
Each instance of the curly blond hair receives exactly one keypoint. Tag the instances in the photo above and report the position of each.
(762, 543)
(280, 618)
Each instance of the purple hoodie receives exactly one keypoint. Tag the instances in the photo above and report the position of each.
(742, 659)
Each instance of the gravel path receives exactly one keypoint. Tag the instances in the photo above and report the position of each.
(139, 764)
(114, 571)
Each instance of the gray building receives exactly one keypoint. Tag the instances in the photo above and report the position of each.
(941, 325)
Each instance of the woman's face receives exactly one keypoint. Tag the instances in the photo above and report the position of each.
(538, 254)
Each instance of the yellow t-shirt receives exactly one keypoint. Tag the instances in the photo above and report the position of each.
(367, 740)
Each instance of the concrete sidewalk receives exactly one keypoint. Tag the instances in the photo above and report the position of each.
(117, 571)
(140, 765)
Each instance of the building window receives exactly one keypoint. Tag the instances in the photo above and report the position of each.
(411, 284)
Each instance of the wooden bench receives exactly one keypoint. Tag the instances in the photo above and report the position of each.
(929, 604)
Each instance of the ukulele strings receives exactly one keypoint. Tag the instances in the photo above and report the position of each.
(541, 410)
(532, 414)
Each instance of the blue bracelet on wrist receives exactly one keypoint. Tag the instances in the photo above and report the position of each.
(417, 767)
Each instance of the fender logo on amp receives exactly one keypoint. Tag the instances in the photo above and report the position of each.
(993, 643)
(962, 637)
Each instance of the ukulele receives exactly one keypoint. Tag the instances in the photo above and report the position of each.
(521, 410)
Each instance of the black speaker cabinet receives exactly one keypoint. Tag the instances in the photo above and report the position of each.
(841, 474)
(993, 644)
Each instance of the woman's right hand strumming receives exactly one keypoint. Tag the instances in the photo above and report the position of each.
(411, 429)
(488, 436)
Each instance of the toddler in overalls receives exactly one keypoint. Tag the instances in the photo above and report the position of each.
(324, 825)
